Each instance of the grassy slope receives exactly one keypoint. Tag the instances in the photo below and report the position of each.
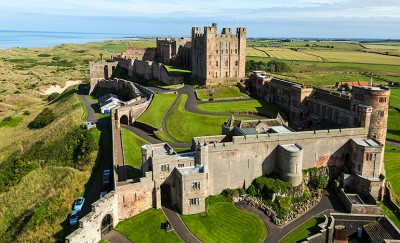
(175, 71)
(253, 106)
(301, 233)
(152, 219)
(38, 216)
(132, 148)
(393, 130)
(226, 223)
(221, 92)
(159, 106)
(183, 125)
(34, 217)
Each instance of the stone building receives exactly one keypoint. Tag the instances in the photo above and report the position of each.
(174, 51)
(218, 58)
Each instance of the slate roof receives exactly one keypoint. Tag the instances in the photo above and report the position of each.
(332, 98)
(377, 232)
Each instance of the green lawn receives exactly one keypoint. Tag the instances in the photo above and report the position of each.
(147, 227)
(226, 223)
(221, 92)
(155, 113)
(132, 148)
(388, 211)
(392, 167)
(175, 71)
(395, 97)
(253, 106)
(183, 125)
(301, 233)
(162, 136)
(393, 125)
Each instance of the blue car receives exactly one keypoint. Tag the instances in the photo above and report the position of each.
(73, 219)
(79, 203)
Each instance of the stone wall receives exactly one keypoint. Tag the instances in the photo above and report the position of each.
(371, 208)
(127, 89)
(90, 226)
(259, 154)
(134, 198)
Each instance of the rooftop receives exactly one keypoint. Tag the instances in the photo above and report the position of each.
(191, 170)
(366, 142)
(278, 129)
(292, 147)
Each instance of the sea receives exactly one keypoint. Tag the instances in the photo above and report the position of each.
(12, 39)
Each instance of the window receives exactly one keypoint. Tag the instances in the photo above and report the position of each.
(181, 165)
(226, 63)
(196, 186)
(382, 100)
(236, 62)
(381, 113)
(216, 63)
(194, 201)
(226, 74)
(165, 168)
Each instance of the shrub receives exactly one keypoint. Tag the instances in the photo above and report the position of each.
(320, 181)
(43, 119)
(44, 55)
(56, 58)
(12, 171)
(276, 66)
(52, 96)
(26, 113)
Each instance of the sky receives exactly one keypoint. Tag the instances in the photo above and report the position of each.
(268, 18)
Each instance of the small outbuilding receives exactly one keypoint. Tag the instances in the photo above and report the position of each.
(109, 101)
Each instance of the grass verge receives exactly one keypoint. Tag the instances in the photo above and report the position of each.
(153, 220)
(250, 106)
(226, 223)
(390, 213)
(392, 167)
(132, 148)
(162, 136)
(175, 71)
(305, 230)
(155, 113)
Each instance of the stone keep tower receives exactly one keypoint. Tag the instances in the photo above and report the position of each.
(218, 58)
(370, 107)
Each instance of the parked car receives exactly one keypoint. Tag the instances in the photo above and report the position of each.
(73, 219)
(106, 177)
(79, 203)
(102, 194)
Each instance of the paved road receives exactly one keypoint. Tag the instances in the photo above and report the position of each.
(104, 162)
(329, 201)
(180, 228)
(116, 237)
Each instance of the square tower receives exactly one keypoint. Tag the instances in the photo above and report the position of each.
(218, 58)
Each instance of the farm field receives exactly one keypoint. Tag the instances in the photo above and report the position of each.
(354, 57)
(288, 54)
(383, 45)
(394, 99)
(222, 224)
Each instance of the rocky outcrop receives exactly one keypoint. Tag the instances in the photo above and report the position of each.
(299, 208)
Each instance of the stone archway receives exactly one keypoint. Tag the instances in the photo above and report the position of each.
(106, 225)
(166, 199)
(124, 120)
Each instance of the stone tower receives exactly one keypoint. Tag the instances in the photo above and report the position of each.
(370, 107)
(218, 58)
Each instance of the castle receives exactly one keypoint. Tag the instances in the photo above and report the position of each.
(213, 58)
(332, 130)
